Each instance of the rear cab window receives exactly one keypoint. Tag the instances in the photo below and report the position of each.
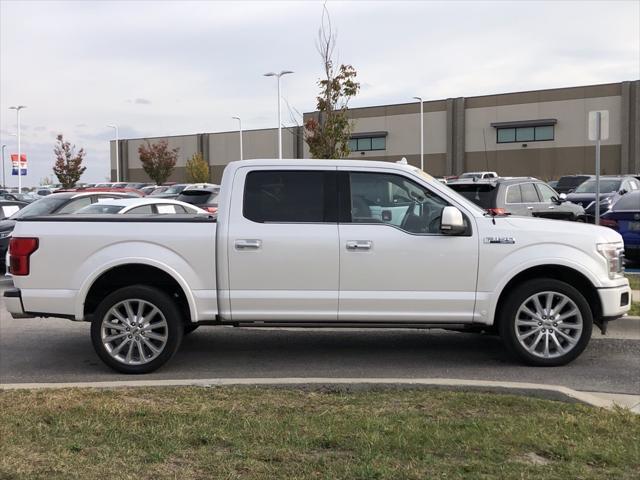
(289, 196)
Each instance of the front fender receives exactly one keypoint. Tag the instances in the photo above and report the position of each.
(496, 273)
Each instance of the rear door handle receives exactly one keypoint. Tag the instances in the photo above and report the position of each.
(248, 244)
(359, 245)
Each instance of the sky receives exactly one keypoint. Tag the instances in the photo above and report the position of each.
(159, 68)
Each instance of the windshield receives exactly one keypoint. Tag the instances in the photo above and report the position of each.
(471, 175)
(606, 186)
(44, 206)
(175, 189)
(199, 197)
(100, 208)
(480, 194)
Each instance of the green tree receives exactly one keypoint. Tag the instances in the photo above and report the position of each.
(197, 169)
(327, 134)
(68, 167)
(158, 160)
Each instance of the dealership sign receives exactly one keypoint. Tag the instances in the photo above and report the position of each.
(14, 164)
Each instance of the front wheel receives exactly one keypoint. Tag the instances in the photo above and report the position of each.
(137, 329)
(546, 322)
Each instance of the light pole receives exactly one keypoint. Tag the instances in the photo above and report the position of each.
(17, 109)
(115, 127)
(421, 133)
(240, 122)
(278, 75)
(3, 179)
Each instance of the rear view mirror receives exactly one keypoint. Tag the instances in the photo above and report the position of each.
(452, 221)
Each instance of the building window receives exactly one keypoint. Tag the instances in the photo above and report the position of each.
(365, 144)
(525, 134)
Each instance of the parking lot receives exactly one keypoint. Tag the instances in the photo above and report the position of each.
(58, 350)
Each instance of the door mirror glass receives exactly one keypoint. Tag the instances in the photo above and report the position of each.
(452, 221)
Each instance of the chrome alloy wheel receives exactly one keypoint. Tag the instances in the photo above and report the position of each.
(548, 324)
(134, 332)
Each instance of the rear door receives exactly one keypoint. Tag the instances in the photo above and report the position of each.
(513, 202)
(283, 244)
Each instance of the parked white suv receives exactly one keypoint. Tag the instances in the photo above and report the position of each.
(320, 243)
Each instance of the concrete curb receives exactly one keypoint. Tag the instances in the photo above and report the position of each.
(556, 392)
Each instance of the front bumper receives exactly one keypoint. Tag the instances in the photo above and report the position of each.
(13, 303)
(615, 301)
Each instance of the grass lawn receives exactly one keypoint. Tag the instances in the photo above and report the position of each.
(260, 433)
(634, 281)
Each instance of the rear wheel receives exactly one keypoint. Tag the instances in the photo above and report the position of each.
(546, 322)
(137, 329)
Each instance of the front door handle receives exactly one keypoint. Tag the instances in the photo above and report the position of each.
(359, 245)
(551, 207)
(529, 208)
(248, 244)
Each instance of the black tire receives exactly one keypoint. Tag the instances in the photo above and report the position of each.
(190, 327)
(174, 329)
(522, 292)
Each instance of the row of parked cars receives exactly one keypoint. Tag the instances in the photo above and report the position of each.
(573, 198)
(109, 199)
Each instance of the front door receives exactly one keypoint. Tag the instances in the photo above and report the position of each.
(395, 264)
(283, 245)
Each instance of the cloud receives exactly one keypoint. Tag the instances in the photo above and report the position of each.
(202, 62)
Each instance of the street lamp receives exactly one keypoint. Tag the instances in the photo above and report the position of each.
(278, 75)
(240, 122)
(3, 180)
(115, 127)
(17, 109)
(421, 133)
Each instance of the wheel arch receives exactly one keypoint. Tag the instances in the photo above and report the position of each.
(558, 272)
(139, 272)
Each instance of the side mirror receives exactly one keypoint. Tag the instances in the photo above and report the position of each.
(622, 192)
(563, 196)
(452, 221)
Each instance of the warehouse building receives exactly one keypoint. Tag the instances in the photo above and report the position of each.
(540, 133)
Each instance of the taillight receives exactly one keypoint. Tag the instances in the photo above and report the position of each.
(211, 209)
(20, 249)
(497, 211)
(605, 222)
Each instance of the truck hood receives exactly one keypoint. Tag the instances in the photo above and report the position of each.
(570, 233)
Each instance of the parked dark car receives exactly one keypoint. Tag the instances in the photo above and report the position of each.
(172, 192)
(624, 217)
(19, 197)
(553, 184)
(205, 198)
(611, 189)
(56, 203)
(524, 196)
(569, 183)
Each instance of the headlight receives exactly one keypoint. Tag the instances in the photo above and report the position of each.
(613, 253)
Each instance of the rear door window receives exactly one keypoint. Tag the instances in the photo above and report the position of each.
(514, 195)
(143, 209)
(529, 194)
(288, 196)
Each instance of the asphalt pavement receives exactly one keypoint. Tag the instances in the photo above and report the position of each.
(59, 350)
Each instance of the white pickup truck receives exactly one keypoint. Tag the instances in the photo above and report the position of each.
(319, 243)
